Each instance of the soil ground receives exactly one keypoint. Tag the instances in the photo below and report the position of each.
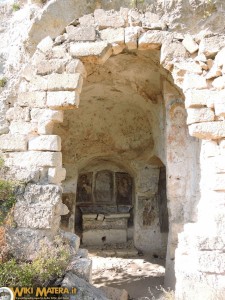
(140, 275)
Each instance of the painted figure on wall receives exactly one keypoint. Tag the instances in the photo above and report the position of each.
(124, 189)
(84, 188)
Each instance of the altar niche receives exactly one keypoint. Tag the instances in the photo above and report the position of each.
(104, 206)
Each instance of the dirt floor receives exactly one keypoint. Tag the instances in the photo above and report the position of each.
(142, 276)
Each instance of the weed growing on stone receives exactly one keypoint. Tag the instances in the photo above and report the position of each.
(7, 199)
(210, 8)
(7, 196)
(49, 263)
(3, 82)
(135, 3)
(1, 162)
(14, 274)
(16, 7)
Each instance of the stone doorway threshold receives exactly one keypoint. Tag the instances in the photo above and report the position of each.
(121, 266)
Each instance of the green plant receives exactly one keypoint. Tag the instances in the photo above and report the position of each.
(3, 82)
(16, 7)
(1, 162)
(49, 263)
(135, 3)
(209, 8)
(7, 199)
(51, 260)
(16, 275)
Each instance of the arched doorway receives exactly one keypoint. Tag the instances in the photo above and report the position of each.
(118, 132)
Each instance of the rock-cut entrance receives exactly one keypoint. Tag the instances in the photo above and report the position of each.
(111, 147)
(123, 156)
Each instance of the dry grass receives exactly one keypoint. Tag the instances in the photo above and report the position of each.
(166, 294)
(3, 246)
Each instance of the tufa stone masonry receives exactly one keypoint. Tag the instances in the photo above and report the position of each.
(114, 120)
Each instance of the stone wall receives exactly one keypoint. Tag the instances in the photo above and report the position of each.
(52, 83)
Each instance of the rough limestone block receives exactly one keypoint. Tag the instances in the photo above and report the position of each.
(13, 142)
(210, 46)
(34, 159)
(200, 240)
(194, 81)
(154, 26)
(82, 253)
(208, 130)
(4, 126)
(124, 11)
(84, 33)
(18, 114)
(24, 175)
(131, 37)
(72, 239)
(45, 118)
(45, 67)
(117, 48)
(81, 267)
(201, 58)
(222, 144)
(151, 17)
(45, 45)
(32, 99)
(171, 49)
(211, 261)
(23, 127)
(45, 143)
(62, 100)
(220, 105)
(84, 289)
(215, 71)
(219, 83)
(210, 148)
(220, 162)
(44, 115)
(203, 66)
(60, 39)
(114, 293)
(209, 63)
(189, 43)
(76, 66)
(64, 82)
(87, 19)
(113, 35)
(24, 242)
(23, 87)
(105, 19)
(134, 17)
(220, 159)
(60, 52)
(189, 66)
(199, 98)
(37, 83)
(197, 115)
(29, 71)
(219, 59)
(99, 237)
(45, 127)
(56, 175)
(151, 39)
(91, 51)
(39, 211)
